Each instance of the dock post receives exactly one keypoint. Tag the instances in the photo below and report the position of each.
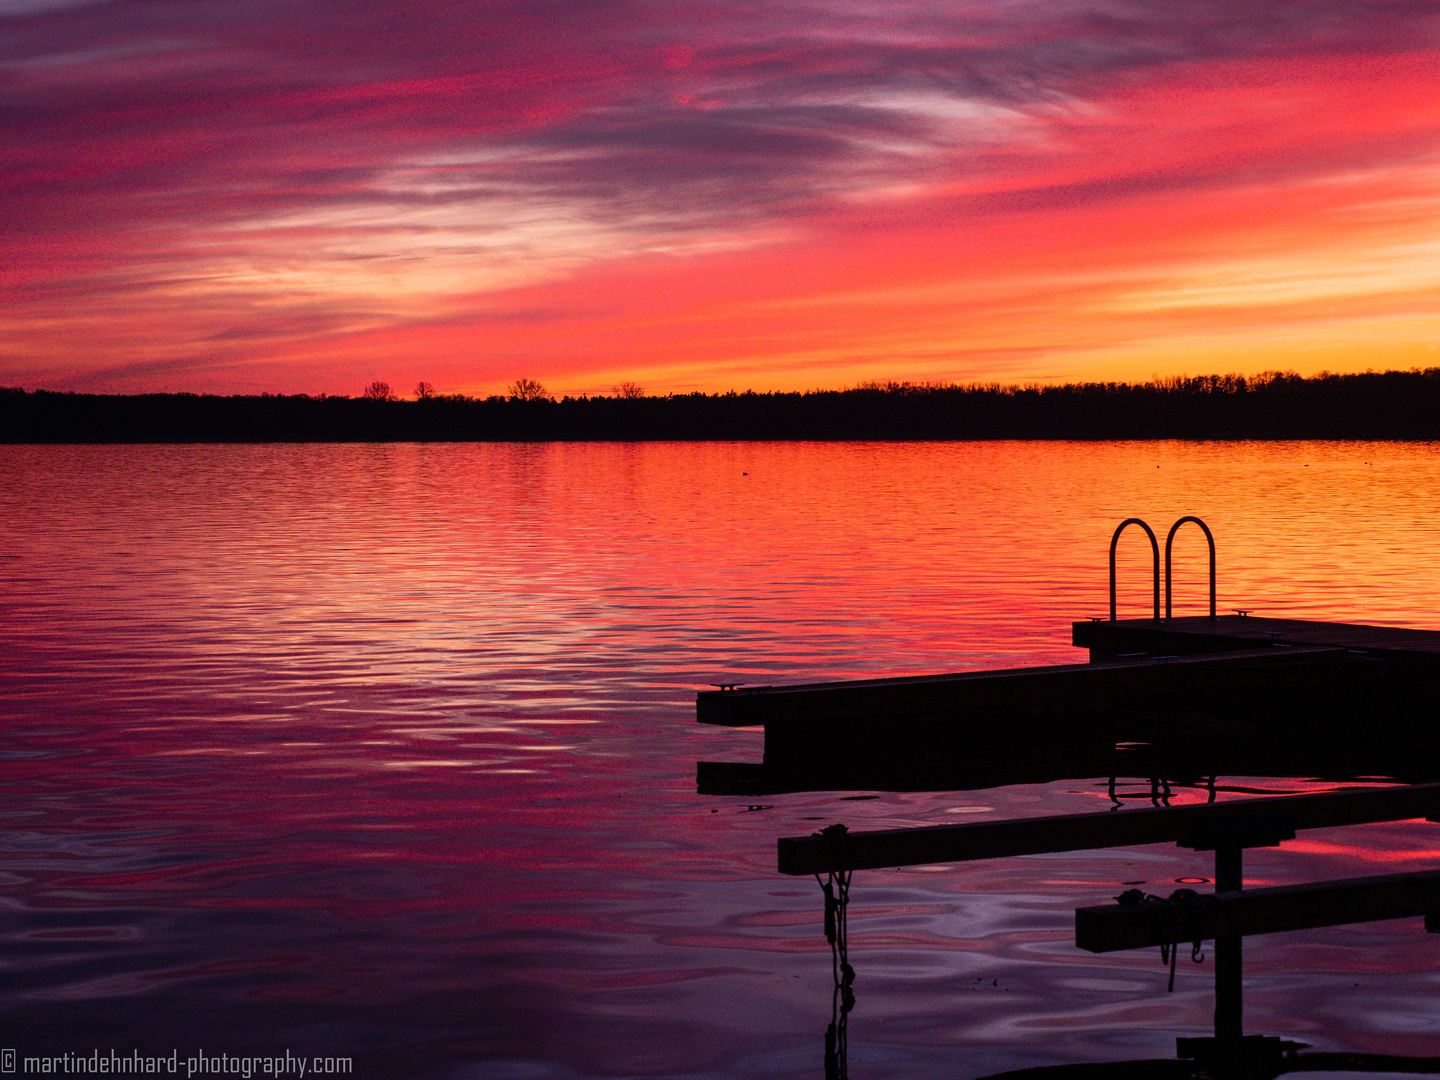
(1229, 1005)
(1229, 839)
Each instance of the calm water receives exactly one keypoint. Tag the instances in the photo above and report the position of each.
(389, 751)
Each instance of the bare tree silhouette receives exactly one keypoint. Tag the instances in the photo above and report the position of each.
(628, 389)
(528, 390)
(379, 391)
(424, 391)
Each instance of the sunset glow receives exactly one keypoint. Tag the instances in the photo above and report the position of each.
(304, 197)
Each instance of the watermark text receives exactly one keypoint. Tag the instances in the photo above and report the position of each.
(113, 1063)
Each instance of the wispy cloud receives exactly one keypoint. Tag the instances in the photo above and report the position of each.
(363, 163)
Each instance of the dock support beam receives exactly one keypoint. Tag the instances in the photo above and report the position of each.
(1260, 822)
(1229, 839)
(1229, 1003)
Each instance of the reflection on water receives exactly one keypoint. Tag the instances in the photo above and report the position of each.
(389, 750)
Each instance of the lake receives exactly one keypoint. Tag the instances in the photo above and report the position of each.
(387, 752)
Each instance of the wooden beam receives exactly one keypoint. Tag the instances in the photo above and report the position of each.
(1185, 758)
(1045, 764)
(1076, 688)
(1082, 832)
(1111, 927)
(1198, 634)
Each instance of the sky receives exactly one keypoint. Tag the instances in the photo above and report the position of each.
(304, 196)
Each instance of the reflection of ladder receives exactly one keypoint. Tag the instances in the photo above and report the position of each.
(1155, 552)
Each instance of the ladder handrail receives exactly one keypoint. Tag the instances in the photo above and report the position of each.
(1169, 540)
(1155, 549)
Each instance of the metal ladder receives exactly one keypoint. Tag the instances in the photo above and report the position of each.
(1155, 552)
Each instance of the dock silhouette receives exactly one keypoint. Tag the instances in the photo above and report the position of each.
(1179, 696)
(1213, 681)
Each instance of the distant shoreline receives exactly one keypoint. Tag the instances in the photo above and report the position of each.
(1374, 405)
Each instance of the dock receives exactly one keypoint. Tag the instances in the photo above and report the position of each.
(1201, 635)
(1180, 697)
(1069, 690)
(1225, 916)
(1220, 686)
(1214, 681)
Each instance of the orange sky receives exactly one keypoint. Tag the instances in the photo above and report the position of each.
(713, 197)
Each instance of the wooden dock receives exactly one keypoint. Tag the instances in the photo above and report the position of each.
(1263, 695)
(1068, 690)
(1215, 683)
(1182, 758)
(1108, 640)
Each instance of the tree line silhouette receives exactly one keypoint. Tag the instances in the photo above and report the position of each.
(1372, 405)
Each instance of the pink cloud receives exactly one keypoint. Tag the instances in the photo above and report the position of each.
(225, 193)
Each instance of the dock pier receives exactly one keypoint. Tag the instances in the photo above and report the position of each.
(1210, 678)
(1235, 689)
(1226, 685)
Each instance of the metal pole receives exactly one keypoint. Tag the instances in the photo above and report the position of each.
(1155, 550)
(1229, 1005)
(1170, 540)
